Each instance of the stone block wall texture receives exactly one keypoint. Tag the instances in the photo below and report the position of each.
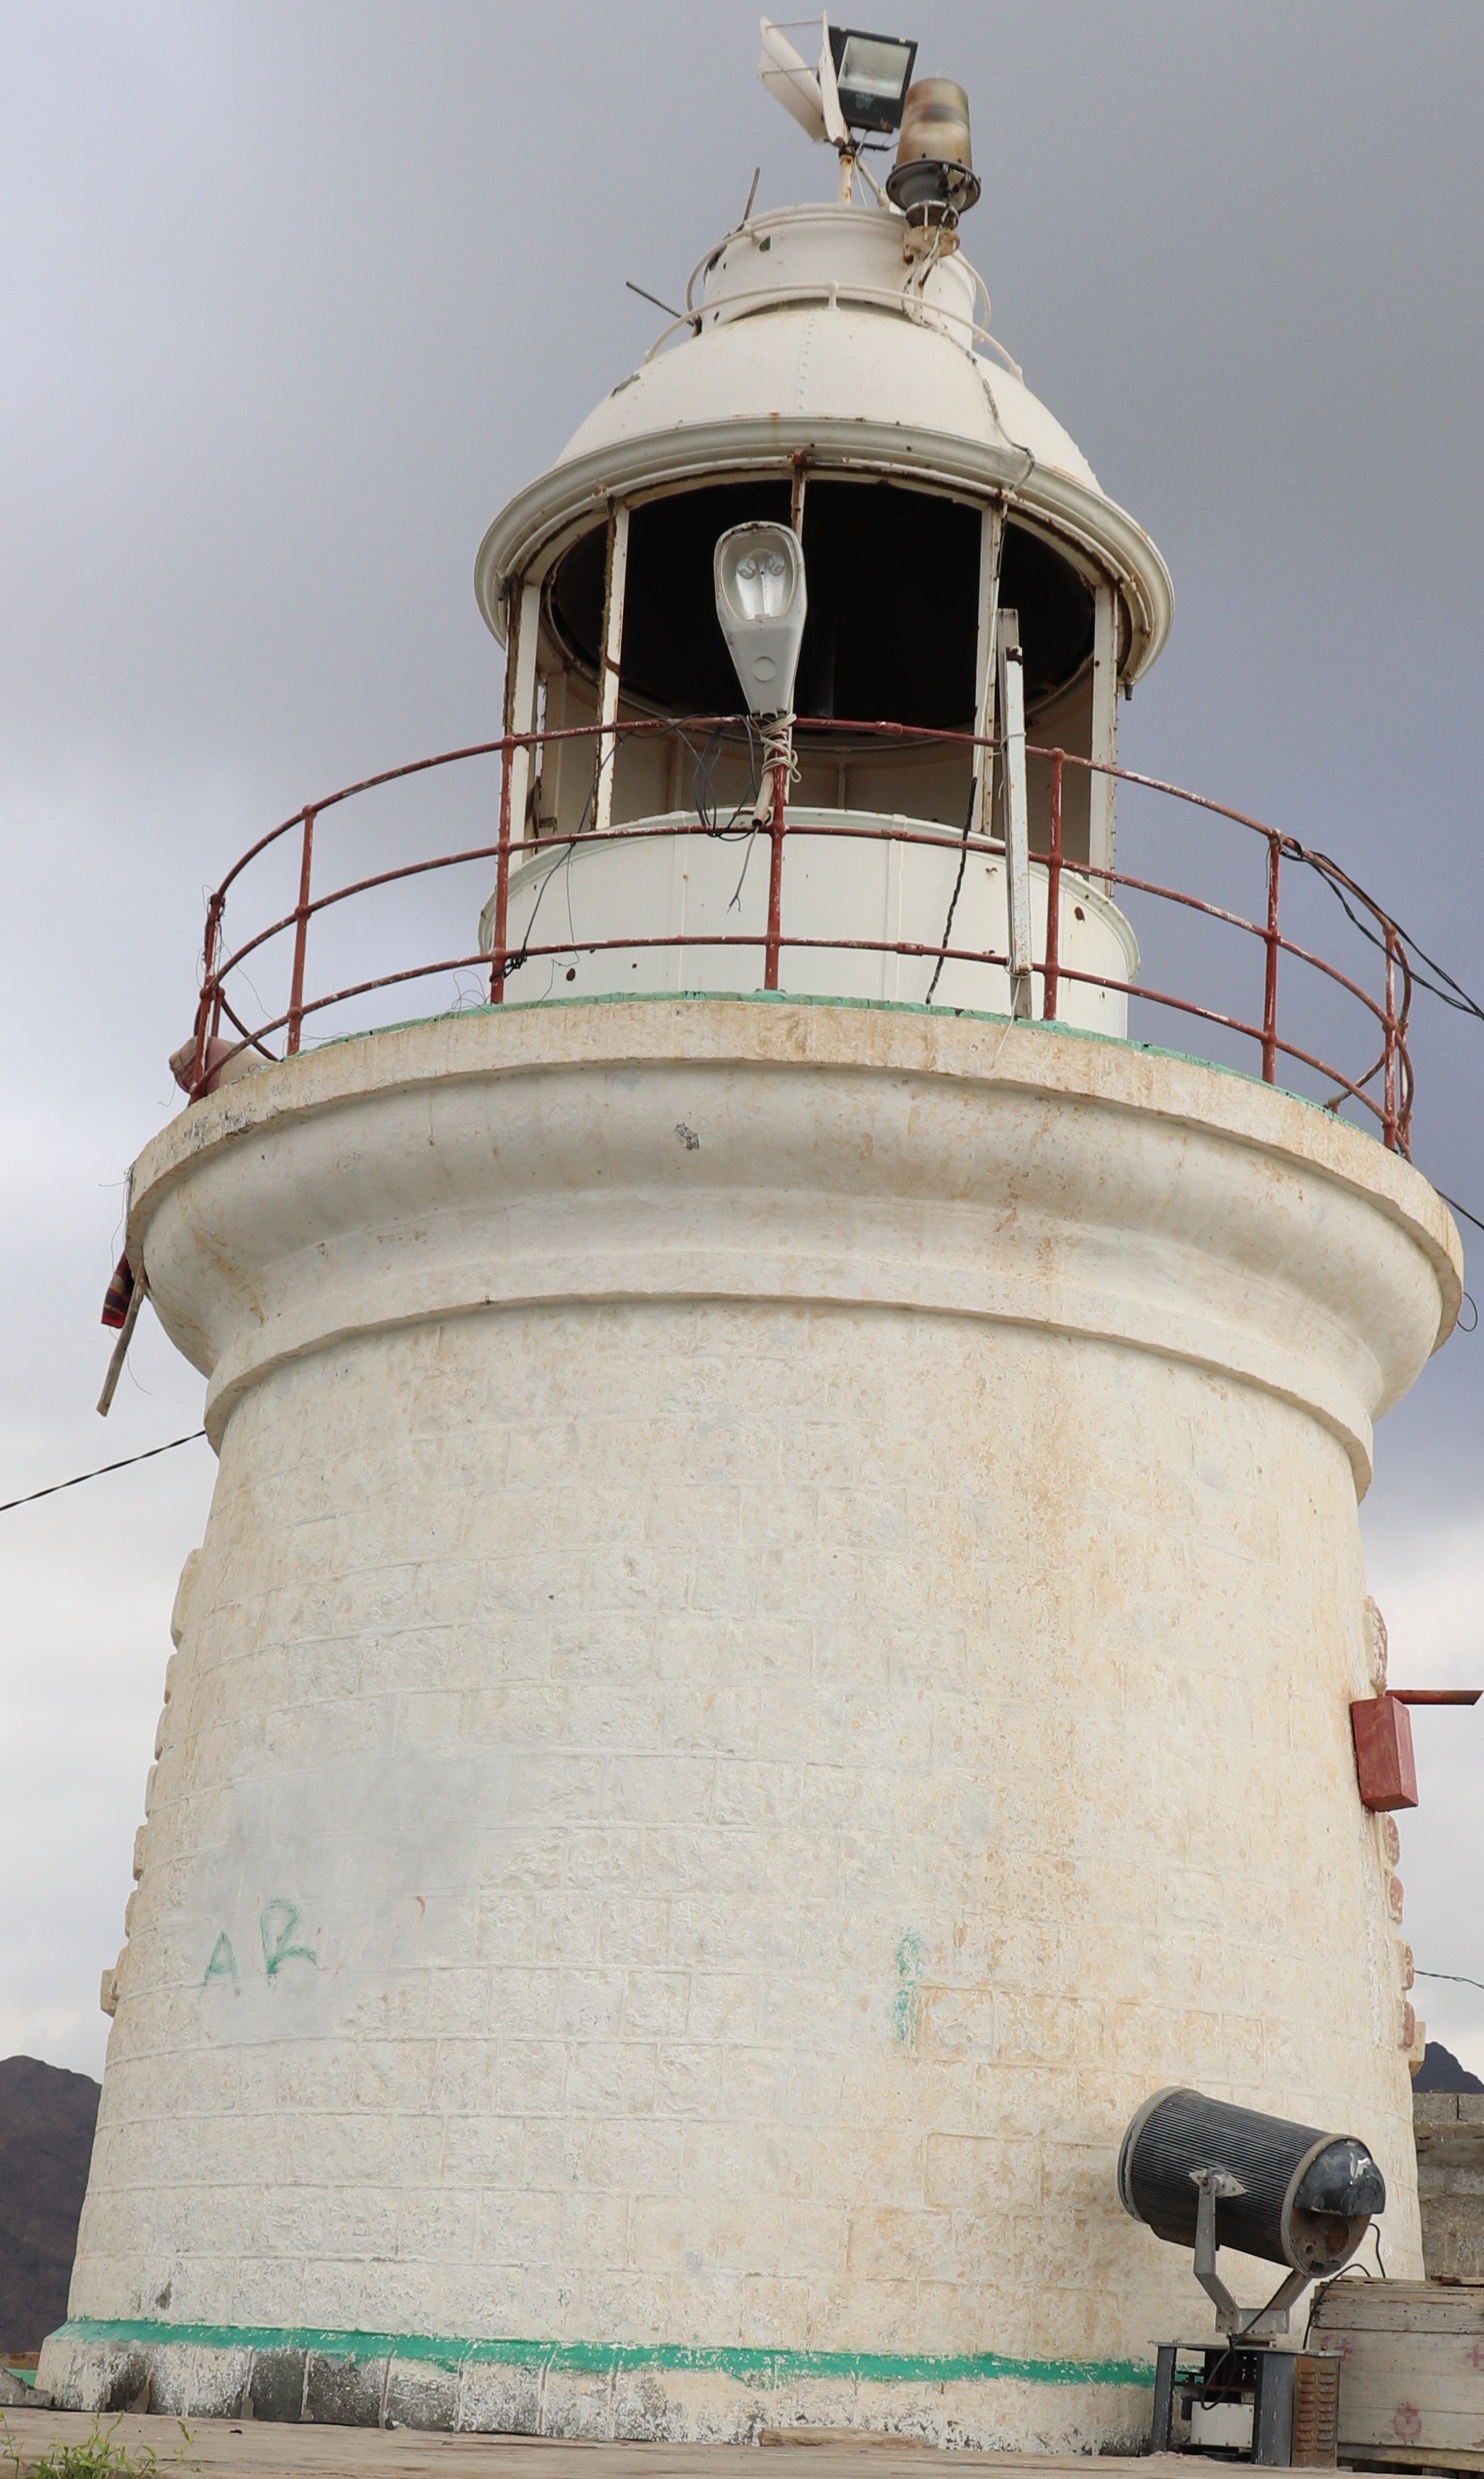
(1449, 2130)
(742, 1705)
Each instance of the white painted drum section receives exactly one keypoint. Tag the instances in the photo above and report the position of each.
(771, 1655)
(867, 886)
(836, 254)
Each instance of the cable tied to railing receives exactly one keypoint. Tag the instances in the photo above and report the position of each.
(779, 757)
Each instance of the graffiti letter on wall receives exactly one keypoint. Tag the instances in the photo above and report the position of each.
(223, 1962)
(280, 1919)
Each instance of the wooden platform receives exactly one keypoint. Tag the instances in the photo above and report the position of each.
(1412, 2385)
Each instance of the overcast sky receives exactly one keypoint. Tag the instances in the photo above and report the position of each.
(295, 292)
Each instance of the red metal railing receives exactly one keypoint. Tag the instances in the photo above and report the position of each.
(1389, 1012)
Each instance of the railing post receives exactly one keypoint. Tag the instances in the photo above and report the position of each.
(209, 1011)
(1389, 1109)
(1017, 855)
(1270, 970)
(497, 954)
(776, 878)
(300, 937)
(1051, 973)
(609, 660)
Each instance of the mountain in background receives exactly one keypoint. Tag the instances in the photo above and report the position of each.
(46, 2123)
(1441, 2071)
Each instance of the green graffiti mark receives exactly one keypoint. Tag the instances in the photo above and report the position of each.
(280, 1919)
(907, 2012)
(222, 1965)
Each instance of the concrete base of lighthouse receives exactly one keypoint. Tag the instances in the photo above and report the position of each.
(771, 1655)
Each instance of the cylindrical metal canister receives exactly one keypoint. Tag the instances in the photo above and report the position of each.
(1306, 2197)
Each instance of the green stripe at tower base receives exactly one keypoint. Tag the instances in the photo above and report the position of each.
(628, 2392)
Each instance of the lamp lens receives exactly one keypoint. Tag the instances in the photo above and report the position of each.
(761, 584)
(870, 66)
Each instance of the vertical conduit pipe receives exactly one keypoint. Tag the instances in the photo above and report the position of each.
(1051, 974)
(300, 935)
(209, 1011)
(608, 666)
(775, 878)
(1270, 967)
(1389, 1110)
(497, 956)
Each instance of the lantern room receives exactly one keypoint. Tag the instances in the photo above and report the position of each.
(832, 374)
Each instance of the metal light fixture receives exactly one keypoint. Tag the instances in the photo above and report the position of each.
(872, 73)
(1205, 2173)
(762, 603)
(860, 84)
(933, 176)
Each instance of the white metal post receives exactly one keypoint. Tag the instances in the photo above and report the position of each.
(1018, 861)
(1104, 751)
(608, 668)
(520, 700)
(991, 532)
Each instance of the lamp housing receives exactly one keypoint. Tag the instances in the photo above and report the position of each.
(762, 603)
(872, 75)
(934, 166)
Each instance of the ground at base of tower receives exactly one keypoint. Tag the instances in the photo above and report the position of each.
(268, 2450)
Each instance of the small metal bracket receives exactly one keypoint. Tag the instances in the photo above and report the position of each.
(1238, 2323)
(1212, 2182)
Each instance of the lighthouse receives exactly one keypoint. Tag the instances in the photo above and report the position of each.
(774, 1649)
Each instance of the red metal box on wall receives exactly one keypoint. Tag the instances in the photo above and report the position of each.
(1385, 1767)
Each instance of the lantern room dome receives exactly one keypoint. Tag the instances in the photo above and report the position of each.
(815, 337)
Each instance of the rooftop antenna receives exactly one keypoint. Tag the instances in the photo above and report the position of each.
(858, 87)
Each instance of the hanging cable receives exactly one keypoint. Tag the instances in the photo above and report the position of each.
(122, 1464)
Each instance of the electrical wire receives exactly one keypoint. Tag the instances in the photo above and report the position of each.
(122, 1464)
(1459, 1208)
(1461, 1976)
(1336, 880)
(1453, 995)
(958, 885)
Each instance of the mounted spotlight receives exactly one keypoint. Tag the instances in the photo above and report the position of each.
(762, 603)
(1290, 2194)
(1203, 2174)
(933, 178)
(872, 73)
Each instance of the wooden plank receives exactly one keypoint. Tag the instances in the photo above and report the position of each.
(1423, 2379)
(1396, 2457)
(1431, 2358)
(1403, 2423)
(1400, 2307)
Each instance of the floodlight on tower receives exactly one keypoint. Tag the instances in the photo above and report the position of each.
(860, 84)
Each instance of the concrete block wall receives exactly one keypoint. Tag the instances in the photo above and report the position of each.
(1449, 2129)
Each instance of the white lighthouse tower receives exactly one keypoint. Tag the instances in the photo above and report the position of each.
(773, 1645)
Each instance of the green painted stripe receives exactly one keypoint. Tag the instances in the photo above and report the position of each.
(766, 2368)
